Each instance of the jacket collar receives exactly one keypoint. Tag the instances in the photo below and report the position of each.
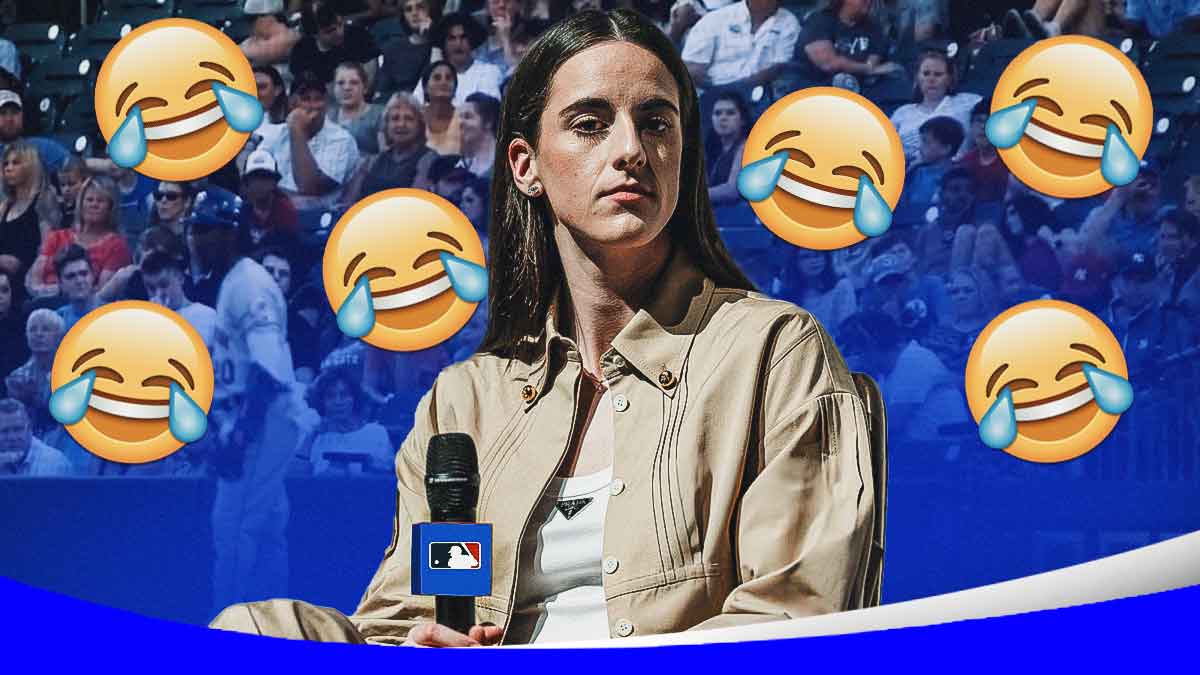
(658, 336)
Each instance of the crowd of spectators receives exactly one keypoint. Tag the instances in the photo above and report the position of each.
(348, 116)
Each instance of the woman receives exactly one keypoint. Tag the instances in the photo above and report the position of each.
(340, 400)
(352, 111)
(813, 284)
(95, 229)
(623, 341)
(172, 203)
(933, 94)
(731, 121)
(272, 94)
(13, 349)
(477, 119)
(407, 159)
(473, 202)
(442, 131)
(405, 59)
(29, 209)
(972, 306)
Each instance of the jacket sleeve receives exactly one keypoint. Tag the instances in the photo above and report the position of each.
(803, 529)
(388, 610)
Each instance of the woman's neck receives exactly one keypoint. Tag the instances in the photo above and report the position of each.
(43, 360)
(441, 108)
(932, 103)
(94, 229)
(605, 288)
(353, 109)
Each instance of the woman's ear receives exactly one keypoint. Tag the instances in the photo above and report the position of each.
(523, 165)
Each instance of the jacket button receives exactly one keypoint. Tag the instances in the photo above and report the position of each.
(528, 393)
(667, 379)
(616, 487)
(620, 403)
(624, 628)
(610, 565)
(618, 361)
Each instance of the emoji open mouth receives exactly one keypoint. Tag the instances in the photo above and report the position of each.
(415, 305)
(812, 204)
(815, 192)
(181, 136)
(127, 419)
(1060, 152)
(1064, 142)
(1057, 417)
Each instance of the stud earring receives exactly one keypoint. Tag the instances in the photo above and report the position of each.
(535, 189)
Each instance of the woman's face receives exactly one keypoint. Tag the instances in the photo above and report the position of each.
(339, 403)
(964, 295)
(442, 83)
(610, 146)
(726, 119)
(348, 87)
(169, 201)
(812, 263)
(70, 181)
(403, 126)
(934, 79)
(471, 204)
(416, 14)
(42, 334)
(471, 124)
(16, 171)
(5, 295)
(267, 93)
(96, 207)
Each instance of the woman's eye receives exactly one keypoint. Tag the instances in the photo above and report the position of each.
(659, 125)
(589, 125)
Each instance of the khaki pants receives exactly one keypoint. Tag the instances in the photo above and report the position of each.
(291, 619)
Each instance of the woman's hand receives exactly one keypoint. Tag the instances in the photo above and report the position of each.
(437, 635)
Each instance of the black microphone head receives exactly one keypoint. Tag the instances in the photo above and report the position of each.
(452, 478)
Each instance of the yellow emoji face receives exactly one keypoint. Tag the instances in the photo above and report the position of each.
(176, 100)
(1071, 117)
(1046, 381)
(132, 382)
(404, 270)
(823, 168)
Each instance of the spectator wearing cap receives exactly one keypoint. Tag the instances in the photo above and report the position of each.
(1129, 218)
(406, 58)
(1178, 253)
(78, 284)
(1160, 18)
(933, 96)
(328, 40)
(22, 454)
(29, 383)
(742, 44)
(315, 157)
(407, 160)
(842, 38)
(268, 217)
(12, 129)
(271, 40)
(164, 275)
(212, 241)
(983, 160)
(897, 286)
(442, 134)
(940, 136)
(459, 35)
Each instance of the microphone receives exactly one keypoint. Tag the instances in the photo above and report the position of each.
(451, 557)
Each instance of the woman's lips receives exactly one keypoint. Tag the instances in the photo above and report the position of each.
(816, 193)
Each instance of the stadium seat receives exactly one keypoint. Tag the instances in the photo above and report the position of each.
(1173, 48)
(989, 62)
(41, 112)
(77, 142)
(890, 92)
(100, 33)
(315, 226)
(386, 30)
(238, 30)
(37, 42)
(64, 78)
(218, 16)
(1129, 47)
(1174, 86)
(79, 115)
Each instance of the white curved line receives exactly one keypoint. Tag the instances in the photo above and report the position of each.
(1061, 143)
(184, 126)
(133, 411)
(412, 296)
(815, 195)
(1055, 408)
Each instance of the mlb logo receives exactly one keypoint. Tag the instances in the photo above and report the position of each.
(454, 555)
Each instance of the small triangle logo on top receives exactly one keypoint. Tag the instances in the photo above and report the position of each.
(570, 507)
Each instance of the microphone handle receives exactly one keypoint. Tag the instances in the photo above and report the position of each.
(456, 611)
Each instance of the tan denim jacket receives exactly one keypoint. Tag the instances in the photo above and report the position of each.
(742, 486)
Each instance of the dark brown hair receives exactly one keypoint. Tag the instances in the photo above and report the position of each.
(524, 269)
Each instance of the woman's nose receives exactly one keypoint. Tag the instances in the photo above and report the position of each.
(628, 143)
